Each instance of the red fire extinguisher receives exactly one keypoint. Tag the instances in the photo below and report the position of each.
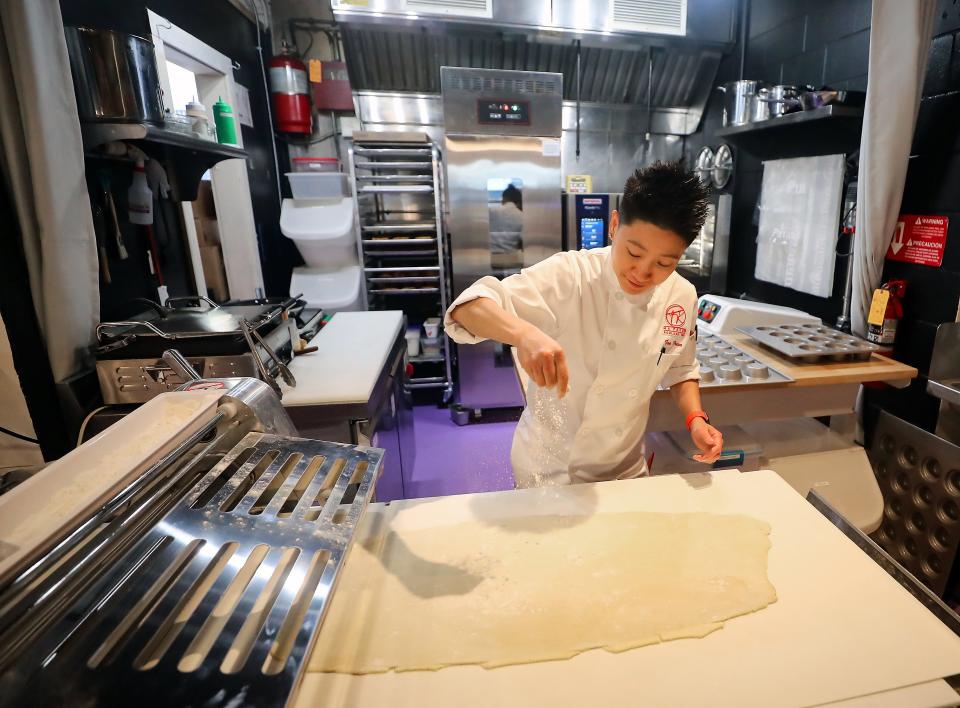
(886, 310)
(290, 93)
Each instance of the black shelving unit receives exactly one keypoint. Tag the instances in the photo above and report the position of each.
(187, 156)
(821, 131)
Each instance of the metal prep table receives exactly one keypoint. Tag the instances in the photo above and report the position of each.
(841, 630)
(351, 390)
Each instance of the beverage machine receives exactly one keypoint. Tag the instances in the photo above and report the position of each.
(503, 187)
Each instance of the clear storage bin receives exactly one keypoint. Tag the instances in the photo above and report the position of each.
(318, 185)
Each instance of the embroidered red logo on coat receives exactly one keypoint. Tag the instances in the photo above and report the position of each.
(676, 317)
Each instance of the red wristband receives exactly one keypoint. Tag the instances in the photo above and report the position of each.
(694, 415)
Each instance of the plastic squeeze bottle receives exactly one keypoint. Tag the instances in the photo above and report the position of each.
(223, 119)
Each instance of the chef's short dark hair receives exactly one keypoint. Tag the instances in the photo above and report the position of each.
(668, 195)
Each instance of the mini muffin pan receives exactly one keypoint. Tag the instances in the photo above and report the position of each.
(919, 476)
(810, 343)
(723, 364)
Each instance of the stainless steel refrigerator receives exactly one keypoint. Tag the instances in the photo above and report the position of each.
(503, 186)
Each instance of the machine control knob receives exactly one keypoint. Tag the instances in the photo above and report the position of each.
(730, 373)
(758, 371)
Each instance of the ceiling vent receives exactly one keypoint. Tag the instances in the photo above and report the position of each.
(452, 8)
(476, 84)
(654, 16)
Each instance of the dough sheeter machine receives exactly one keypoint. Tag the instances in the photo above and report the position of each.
(184, 556)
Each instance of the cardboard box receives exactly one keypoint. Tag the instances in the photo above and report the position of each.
(214, 272)
(203, 205)
(208, 231)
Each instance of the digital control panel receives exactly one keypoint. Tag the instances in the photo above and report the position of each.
(493, 112)
(592, 220)
(591, 233)
(707, 310)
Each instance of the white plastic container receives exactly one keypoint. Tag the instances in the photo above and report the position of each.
(322, 230)
(318, 185)
(330, 290)
(139, 197)
(430, 345)
(413, 341)
(432, 327)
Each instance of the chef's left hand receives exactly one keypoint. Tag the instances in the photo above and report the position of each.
(708, 440)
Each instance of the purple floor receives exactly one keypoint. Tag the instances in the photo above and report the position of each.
(458, 460)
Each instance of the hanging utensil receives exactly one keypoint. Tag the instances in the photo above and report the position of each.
(111, 207)
(99, 226)
(154, 253)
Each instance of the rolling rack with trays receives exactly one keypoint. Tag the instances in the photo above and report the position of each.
(397, 189)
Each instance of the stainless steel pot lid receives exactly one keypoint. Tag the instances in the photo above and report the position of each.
(722, 167)
(704, 164)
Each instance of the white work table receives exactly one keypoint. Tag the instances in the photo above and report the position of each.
(352, 351)
(841, 630)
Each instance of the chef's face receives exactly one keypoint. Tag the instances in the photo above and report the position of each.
(644, 255)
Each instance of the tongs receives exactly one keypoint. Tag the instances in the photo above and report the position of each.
(250, 334)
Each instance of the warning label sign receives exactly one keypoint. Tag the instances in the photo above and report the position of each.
(919, 239)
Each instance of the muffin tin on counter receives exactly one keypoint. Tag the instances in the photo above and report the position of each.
(723, 364)
(811, 343)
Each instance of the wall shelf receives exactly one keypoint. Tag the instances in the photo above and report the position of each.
(187, 156)
(825, 130)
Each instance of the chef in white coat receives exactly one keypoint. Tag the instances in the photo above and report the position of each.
(598, 331)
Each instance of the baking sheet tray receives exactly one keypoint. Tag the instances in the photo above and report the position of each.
(811, 343)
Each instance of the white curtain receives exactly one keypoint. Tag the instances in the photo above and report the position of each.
(899, 40)
(42, 163)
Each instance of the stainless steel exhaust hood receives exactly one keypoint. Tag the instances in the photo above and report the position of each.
(661, 53)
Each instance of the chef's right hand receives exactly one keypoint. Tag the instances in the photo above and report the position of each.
(543, 359)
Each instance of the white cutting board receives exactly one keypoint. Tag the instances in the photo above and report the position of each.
(353, 348)
(841, 627)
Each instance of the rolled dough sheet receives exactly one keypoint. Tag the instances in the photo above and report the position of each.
(539, 588)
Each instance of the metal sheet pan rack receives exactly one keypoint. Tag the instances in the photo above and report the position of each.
(397, 189)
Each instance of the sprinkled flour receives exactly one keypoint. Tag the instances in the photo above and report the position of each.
(551, 416)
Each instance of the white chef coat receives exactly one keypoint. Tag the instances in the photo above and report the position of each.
(613, 343)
